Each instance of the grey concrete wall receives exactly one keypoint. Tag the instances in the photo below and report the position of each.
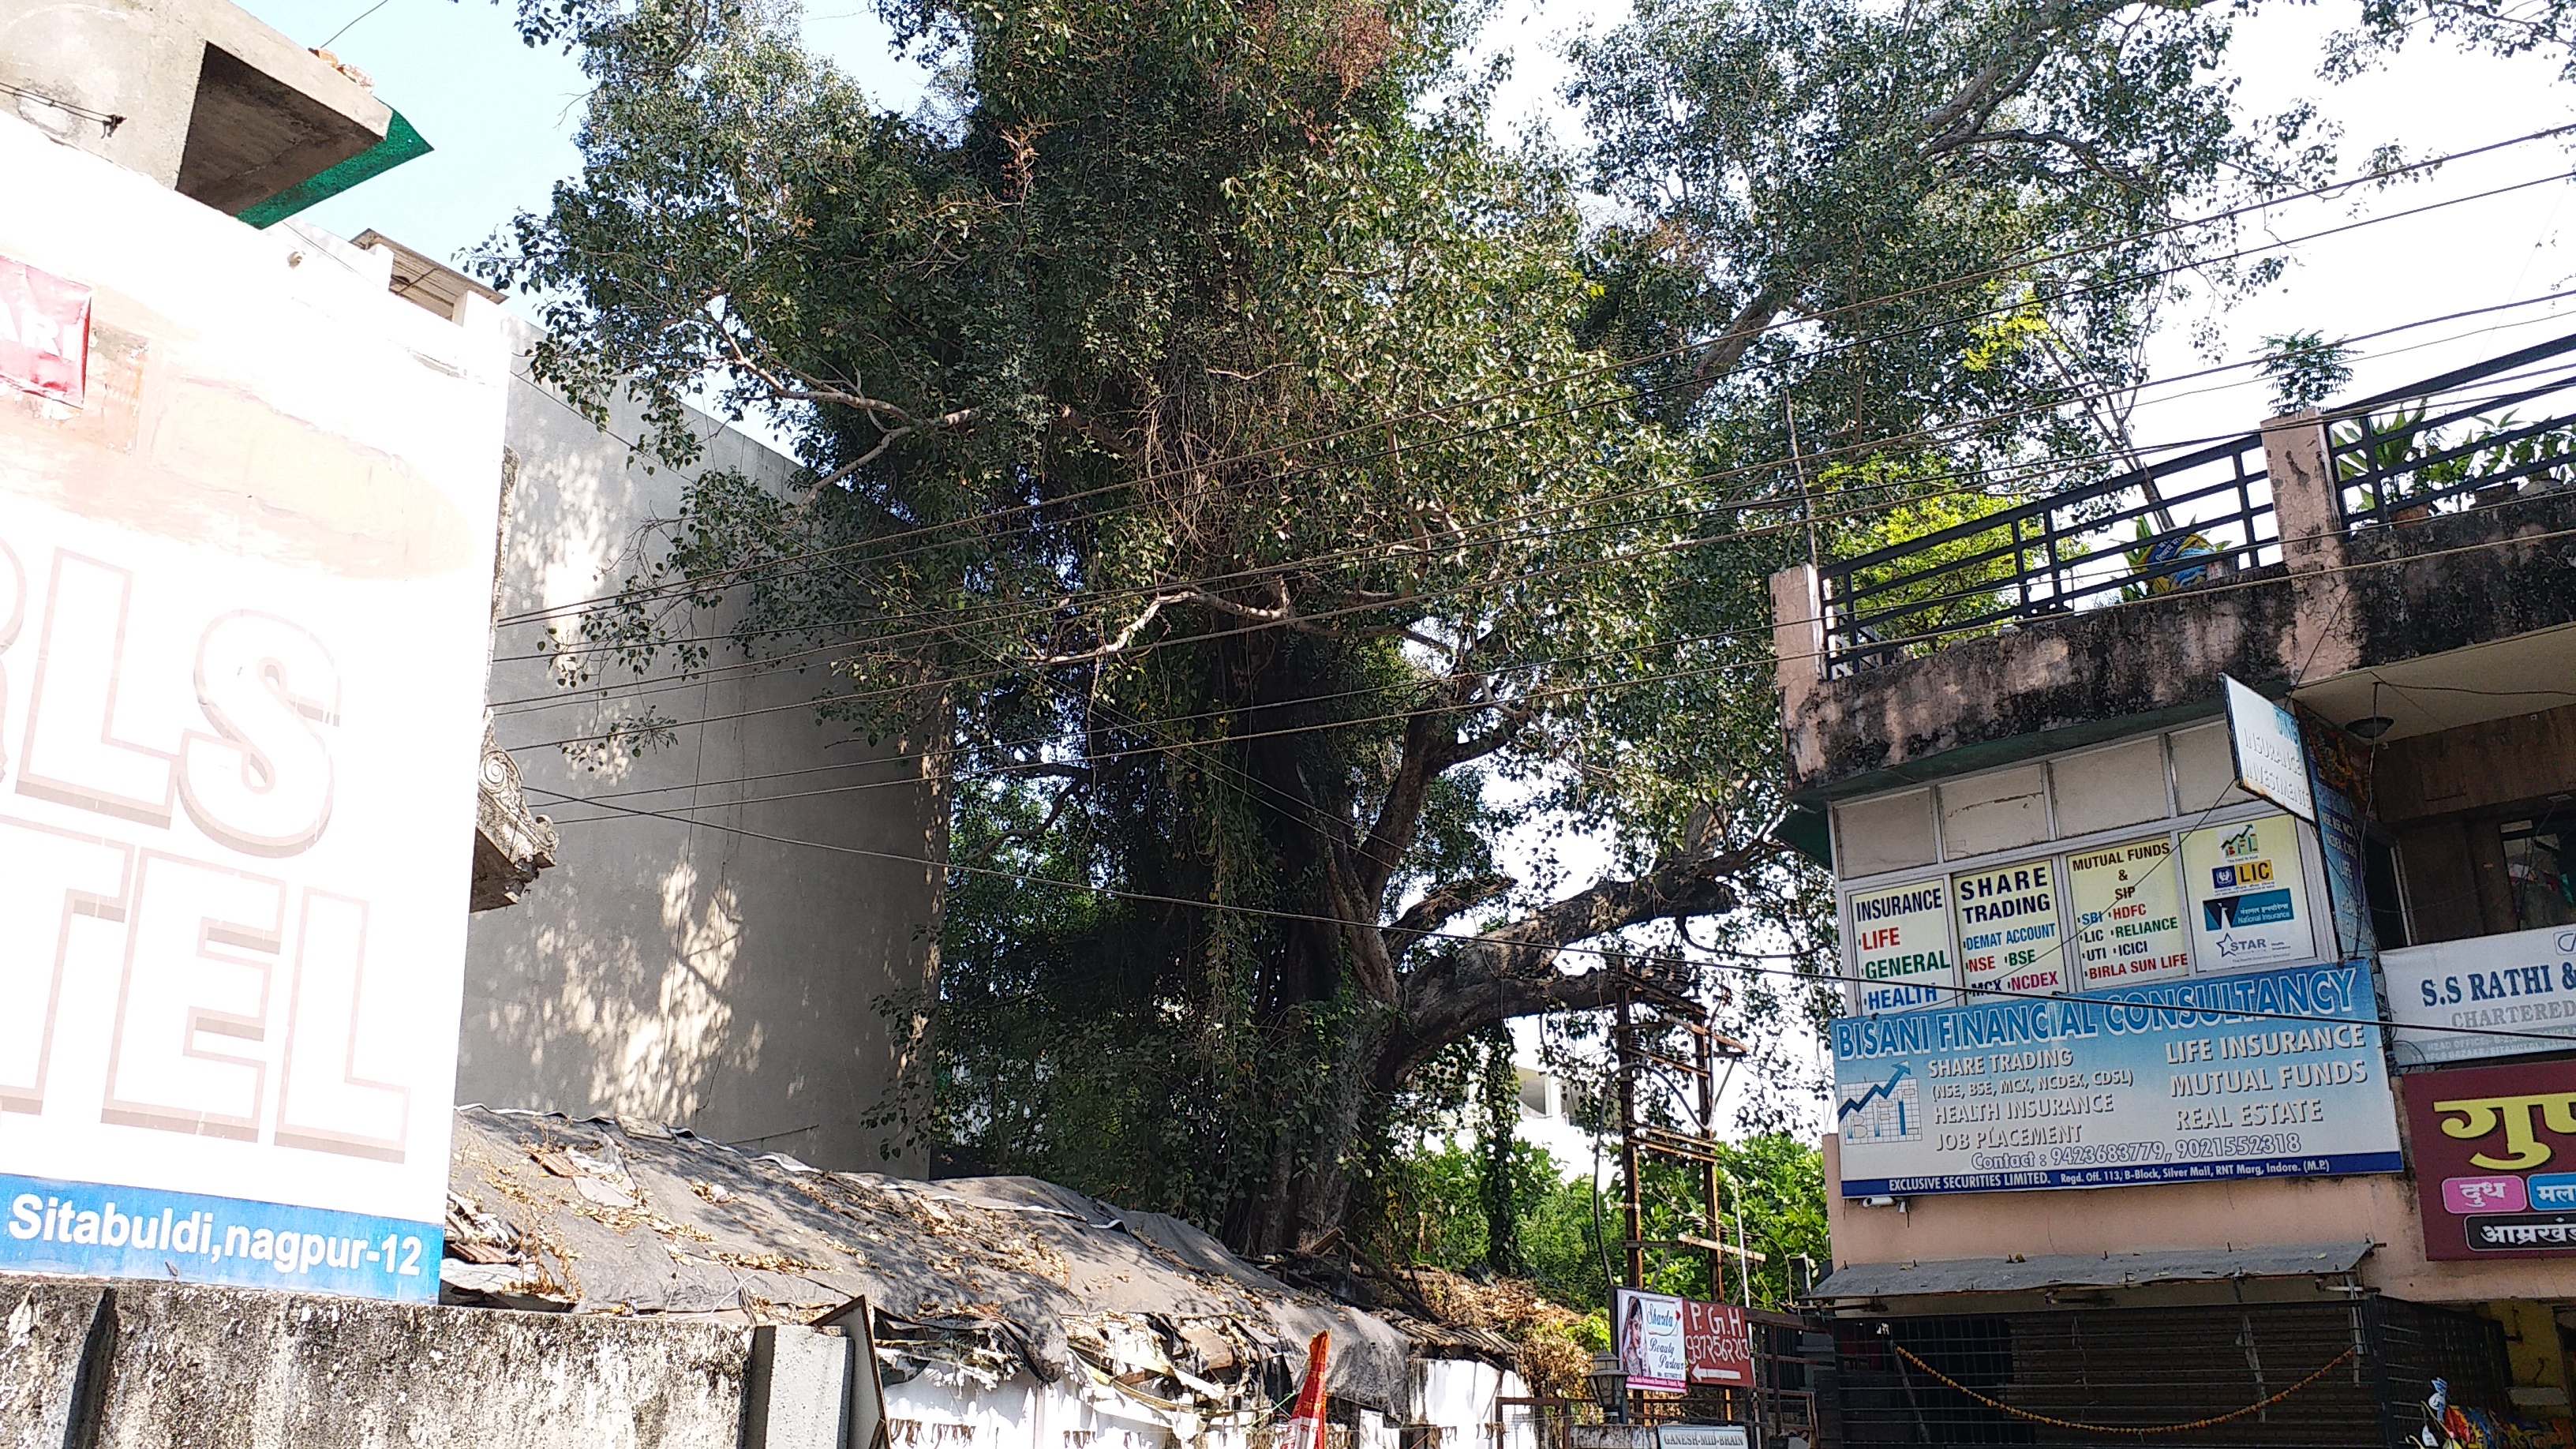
(166, 1366)
(681, 970)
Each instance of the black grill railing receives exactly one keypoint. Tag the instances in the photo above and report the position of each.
(2170, 525)
(2471, 438)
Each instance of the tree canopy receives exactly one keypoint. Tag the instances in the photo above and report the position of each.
(1295, 510)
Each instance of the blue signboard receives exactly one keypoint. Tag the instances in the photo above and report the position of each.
(91, 1230)
(2267, 1074)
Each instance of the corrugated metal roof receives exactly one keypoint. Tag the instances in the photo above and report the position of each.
(2104, 1270)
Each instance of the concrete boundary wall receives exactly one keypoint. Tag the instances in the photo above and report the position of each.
(170, 1366)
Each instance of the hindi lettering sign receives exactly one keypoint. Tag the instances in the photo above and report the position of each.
(2245, 895)
(2128, 914)
(243, 618)
(2007, 921)
(2495, 1160)
(2523, 982)
(2265, 1074)
(1900, 944)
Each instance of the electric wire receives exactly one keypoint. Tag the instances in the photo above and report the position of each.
(1374, 606)
(2381, 175)
(1006, 669)
(1987, 479)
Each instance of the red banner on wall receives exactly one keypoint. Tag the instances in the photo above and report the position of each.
(2495, 1160)
(44, 333)
(1719, 1342)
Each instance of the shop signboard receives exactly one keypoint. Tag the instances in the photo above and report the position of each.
(2450, 999)
(2128, 914)
(2208, 1079)
(1666, 1343)
(2336, 778)
(1704, 1436)
(2245, 895)
(2007, 924)
(245, 597)
(2495, 1160)
(44, 333)
(2271, 760)
(1900, 944)
(1651, 1349)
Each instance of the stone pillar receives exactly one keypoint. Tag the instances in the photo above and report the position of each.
(2325, 634)
(1798, 633)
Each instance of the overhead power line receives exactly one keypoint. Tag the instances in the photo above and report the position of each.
(1661, 677)
(1380, 606)
(2382, 174)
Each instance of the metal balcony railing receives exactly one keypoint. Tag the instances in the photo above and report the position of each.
(2458, 441)
(2472, 437)
(2169, 525)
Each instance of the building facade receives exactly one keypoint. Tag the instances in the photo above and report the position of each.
(2210, 973)
(738, 936)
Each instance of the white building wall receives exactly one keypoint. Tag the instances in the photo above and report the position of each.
(678, 969)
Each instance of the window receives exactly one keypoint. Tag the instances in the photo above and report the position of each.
(2538, 865)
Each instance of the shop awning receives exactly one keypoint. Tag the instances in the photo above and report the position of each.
(2088, 1270)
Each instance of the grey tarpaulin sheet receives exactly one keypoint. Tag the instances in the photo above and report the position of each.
(623, 1217)
(2112, 1270)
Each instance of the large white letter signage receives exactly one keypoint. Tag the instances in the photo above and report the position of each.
(246, 581)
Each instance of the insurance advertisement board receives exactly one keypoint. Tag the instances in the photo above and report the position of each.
(1666, 1344)
(245, 585)
(2263, 1074)
(2007, 928)
(2128, 914)
(1900, 943)
(2495, 1159)
(2485, 996)
(2245, 895)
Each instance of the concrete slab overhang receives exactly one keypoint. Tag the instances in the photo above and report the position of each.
(197, 94)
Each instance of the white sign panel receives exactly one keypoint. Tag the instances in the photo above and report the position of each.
(2008, 928)
(2245, 895)
(2271, 759)
(244, 599)
(1899, 937)
(2523, 982)
(2210, 1079)
(2128, 914)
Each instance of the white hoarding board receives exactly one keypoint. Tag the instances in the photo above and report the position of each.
(2523, 982)
(2264, 1074)
(2008, 937)
(2271, 758)
(2245, 895)
(245, 591)
(1899, 938)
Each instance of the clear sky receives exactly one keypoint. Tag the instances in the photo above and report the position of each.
(501, 116)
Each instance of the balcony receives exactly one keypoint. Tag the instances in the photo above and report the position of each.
(2310, 553)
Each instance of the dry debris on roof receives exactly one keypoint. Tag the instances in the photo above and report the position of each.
(1505, 1321)
(971, 1279)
